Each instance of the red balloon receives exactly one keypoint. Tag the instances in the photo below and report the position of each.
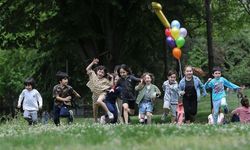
(167, 32)
(176, 53)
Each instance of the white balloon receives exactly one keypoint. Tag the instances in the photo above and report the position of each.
(183, 32)
(176, 24)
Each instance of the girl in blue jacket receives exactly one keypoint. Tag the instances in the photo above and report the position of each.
(190, 87)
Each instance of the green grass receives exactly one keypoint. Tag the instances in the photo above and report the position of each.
(83, 134)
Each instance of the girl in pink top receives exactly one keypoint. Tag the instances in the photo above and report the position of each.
(244, 111)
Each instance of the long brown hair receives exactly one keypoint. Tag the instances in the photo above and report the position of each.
(196, 71)
(149, 74)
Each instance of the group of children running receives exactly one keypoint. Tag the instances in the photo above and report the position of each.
(119, 92)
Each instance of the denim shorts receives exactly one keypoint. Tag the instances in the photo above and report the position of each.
(145, 106)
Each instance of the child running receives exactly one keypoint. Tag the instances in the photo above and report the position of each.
(98, 84)
(147, 94)
(171, 96)
(127, 82)
(111, 101)
(190, 87)
(63, 96)
(32, 101)
(218, 93)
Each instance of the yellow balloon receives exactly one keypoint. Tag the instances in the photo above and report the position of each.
(157, 7)
(175, 32)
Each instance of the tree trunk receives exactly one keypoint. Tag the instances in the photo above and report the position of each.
(209, 38)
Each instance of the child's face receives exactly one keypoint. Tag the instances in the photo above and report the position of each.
(116, 79)
(217, 74)
(188, 72)
(64, 81)
(172, 78)
(28, 87)
(100, 73)
(123, 73)
(147, 79)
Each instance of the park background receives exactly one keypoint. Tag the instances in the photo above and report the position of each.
(39, 38)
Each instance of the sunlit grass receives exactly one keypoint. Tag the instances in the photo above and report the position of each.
(83, 134)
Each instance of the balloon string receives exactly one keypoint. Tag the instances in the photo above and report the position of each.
(180, 70)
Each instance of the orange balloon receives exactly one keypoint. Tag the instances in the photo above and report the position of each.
(176, 53)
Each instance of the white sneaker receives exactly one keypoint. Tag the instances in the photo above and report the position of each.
(111, 116)
(141, 120)
(103, 119)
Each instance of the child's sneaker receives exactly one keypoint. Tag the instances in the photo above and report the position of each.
(163, 117)
(110, 115)
(103, 119)
(225, 110)
(142, 121)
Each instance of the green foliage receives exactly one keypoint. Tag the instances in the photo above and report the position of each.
(197, 56)
(237, 57)
(22, 64)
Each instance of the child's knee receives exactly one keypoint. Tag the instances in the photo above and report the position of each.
(125, 108)
(149, 114)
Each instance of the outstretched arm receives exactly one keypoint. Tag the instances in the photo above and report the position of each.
(230, 84)
(202, 86)
(208, 84)
(95, 61)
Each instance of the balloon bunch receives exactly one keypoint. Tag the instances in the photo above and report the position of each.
(175, 38)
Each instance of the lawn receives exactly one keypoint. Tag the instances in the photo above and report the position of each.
(83, 134)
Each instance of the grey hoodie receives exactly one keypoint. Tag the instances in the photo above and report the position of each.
(171, 92)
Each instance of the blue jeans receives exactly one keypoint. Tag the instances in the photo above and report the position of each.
(145, 106)
(57, 109)
(112, 108)
(216, 109)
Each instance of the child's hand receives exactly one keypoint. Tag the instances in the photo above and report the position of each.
(182, 93)
(141, 81)
(111, 90)
(68, 98)
(95, 61)
(209, 79)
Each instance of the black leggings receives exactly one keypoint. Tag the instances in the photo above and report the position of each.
(190, 107)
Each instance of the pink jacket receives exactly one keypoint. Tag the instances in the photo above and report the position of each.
(243, 113)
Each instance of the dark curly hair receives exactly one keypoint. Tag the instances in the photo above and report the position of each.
(101, 68)
(124, 67)
(30, 81)
(244, 102)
